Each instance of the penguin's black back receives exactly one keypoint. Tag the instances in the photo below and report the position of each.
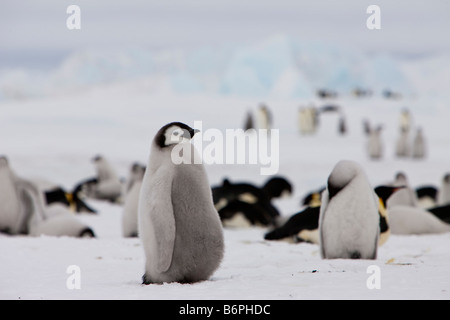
(427, 191)
(442, 212)
(275, 186)
(307, 219)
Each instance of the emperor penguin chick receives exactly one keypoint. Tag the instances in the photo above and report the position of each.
(179, 227)
(349, 220)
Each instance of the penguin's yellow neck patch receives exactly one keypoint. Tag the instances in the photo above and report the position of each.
(382, 208)
(69, 198)
(315, 200)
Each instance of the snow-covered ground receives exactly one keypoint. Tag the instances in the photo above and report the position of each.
(54, 138)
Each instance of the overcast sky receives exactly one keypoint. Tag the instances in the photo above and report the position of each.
(34, 33)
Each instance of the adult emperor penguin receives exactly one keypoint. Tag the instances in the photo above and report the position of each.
(179, 227)
(303, 226)
(349, 219)
(130, 208)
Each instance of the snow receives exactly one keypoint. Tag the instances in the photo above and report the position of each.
(53, 137)
(40, 141)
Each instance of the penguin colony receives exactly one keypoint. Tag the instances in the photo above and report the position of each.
(180, 217)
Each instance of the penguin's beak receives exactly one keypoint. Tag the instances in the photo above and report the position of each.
(189, 134)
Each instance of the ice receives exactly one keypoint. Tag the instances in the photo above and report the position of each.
(276, 67)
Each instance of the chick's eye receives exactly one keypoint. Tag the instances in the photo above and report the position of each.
(176, 133)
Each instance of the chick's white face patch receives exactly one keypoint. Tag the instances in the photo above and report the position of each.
(174, 135)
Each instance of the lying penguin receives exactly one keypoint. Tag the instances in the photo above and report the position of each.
(71, 200)
(413, 220)
(303, 226)
(59, 221)
(249, 204)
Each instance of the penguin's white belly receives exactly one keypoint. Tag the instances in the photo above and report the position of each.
(410, 220)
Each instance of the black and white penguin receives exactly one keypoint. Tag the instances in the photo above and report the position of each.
(71, 200)
(349, 220)
(374, 144)
(443, 196)
(419, 145)
(302, 227)
(426, 196)
(235, 201)
(130, 208)
(277, 187)
(179, 227)
(313, 199)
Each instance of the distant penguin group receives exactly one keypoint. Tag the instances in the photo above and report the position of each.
(405, 147)
(308, 118)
